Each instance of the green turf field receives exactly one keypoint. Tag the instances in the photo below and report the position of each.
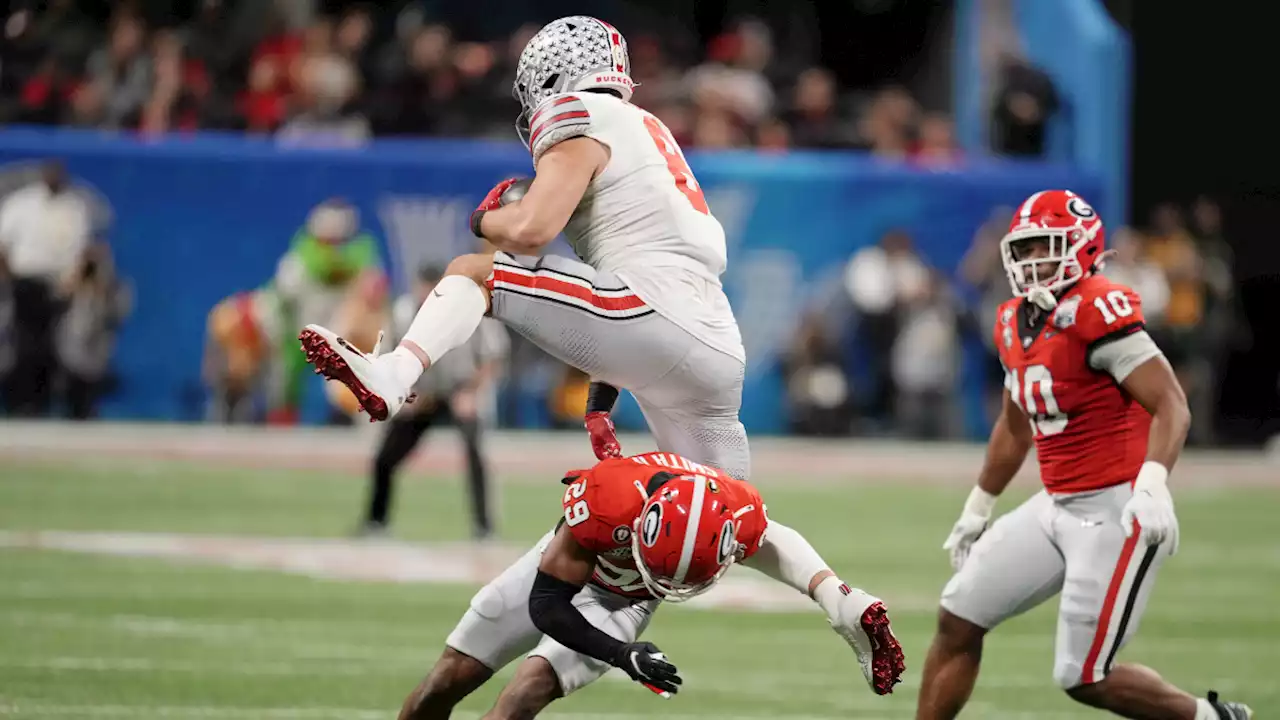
(87, 635)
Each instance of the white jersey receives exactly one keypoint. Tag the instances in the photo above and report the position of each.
(644, 217)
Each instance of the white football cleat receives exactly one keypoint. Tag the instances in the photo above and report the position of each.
(864, 623)
(371, 382)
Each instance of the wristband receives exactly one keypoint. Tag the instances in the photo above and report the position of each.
(601, 398)
(1152, 476)
(475, 222)
(980, 502)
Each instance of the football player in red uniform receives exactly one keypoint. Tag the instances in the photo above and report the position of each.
(636, 531)
(1086, 385)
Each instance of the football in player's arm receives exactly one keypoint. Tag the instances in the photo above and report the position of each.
(563, 170)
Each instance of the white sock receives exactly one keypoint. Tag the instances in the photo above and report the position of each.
(787, 557)
(446, 320)
(1205, 711)
(828, 595)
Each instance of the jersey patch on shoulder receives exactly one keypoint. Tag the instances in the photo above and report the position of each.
(556, 120)
(1065, 314)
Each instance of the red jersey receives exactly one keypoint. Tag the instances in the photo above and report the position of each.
(602, 504)
(1064, 368)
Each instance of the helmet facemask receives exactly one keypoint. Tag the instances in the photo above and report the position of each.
(645, 534)
(522, 125)
(1042, 262)
(667, 589)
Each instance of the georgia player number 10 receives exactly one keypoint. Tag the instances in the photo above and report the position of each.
(1037, 381)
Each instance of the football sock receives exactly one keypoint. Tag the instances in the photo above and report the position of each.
(1205, 711)
(787, 557)
(446, 320)
(829, 593)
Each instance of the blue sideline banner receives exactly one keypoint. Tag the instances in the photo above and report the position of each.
(196, 219)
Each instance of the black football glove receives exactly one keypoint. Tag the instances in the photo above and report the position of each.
(646, 664)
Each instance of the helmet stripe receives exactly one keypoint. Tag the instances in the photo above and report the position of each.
(1024, 212)
(615, 40)
(691, 530)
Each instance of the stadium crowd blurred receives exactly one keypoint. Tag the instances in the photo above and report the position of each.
(881, 352)
(880, 355)
(339, 72)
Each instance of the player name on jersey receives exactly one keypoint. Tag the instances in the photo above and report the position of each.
(671, 461)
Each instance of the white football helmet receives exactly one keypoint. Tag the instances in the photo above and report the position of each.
(567, 55)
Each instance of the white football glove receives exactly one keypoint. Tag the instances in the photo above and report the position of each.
(1152, 507)
(972, 523)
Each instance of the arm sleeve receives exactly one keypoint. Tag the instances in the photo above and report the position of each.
(552, 611)
(1123, 355)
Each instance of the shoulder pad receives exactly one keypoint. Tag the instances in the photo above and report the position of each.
(599, 502)
(557, 119)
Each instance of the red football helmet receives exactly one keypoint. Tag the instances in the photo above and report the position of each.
(685, 538)
(1074, 236)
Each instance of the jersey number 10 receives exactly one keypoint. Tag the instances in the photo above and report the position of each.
(685, 182)
(1033, 391)
(1120, 307)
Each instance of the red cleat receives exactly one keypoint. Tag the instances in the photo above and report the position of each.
(887, 659)
(863, 622)
(336, 359)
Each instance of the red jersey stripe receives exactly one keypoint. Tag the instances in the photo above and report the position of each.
(1109, 606)
(567, 115)
(554, 286)
(555, 103)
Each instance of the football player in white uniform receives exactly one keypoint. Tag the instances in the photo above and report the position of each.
(644, 311)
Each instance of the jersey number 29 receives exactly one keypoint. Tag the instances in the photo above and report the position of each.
(685, 182)
(577, 512)
(1037, 382)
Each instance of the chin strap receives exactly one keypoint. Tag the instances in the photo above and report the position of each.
(1042, 298)
(1101, 262)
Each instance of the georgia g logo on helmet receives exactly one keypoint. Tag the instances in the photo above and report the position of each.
(1081, 209)
(728, 546)
(651, 524)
